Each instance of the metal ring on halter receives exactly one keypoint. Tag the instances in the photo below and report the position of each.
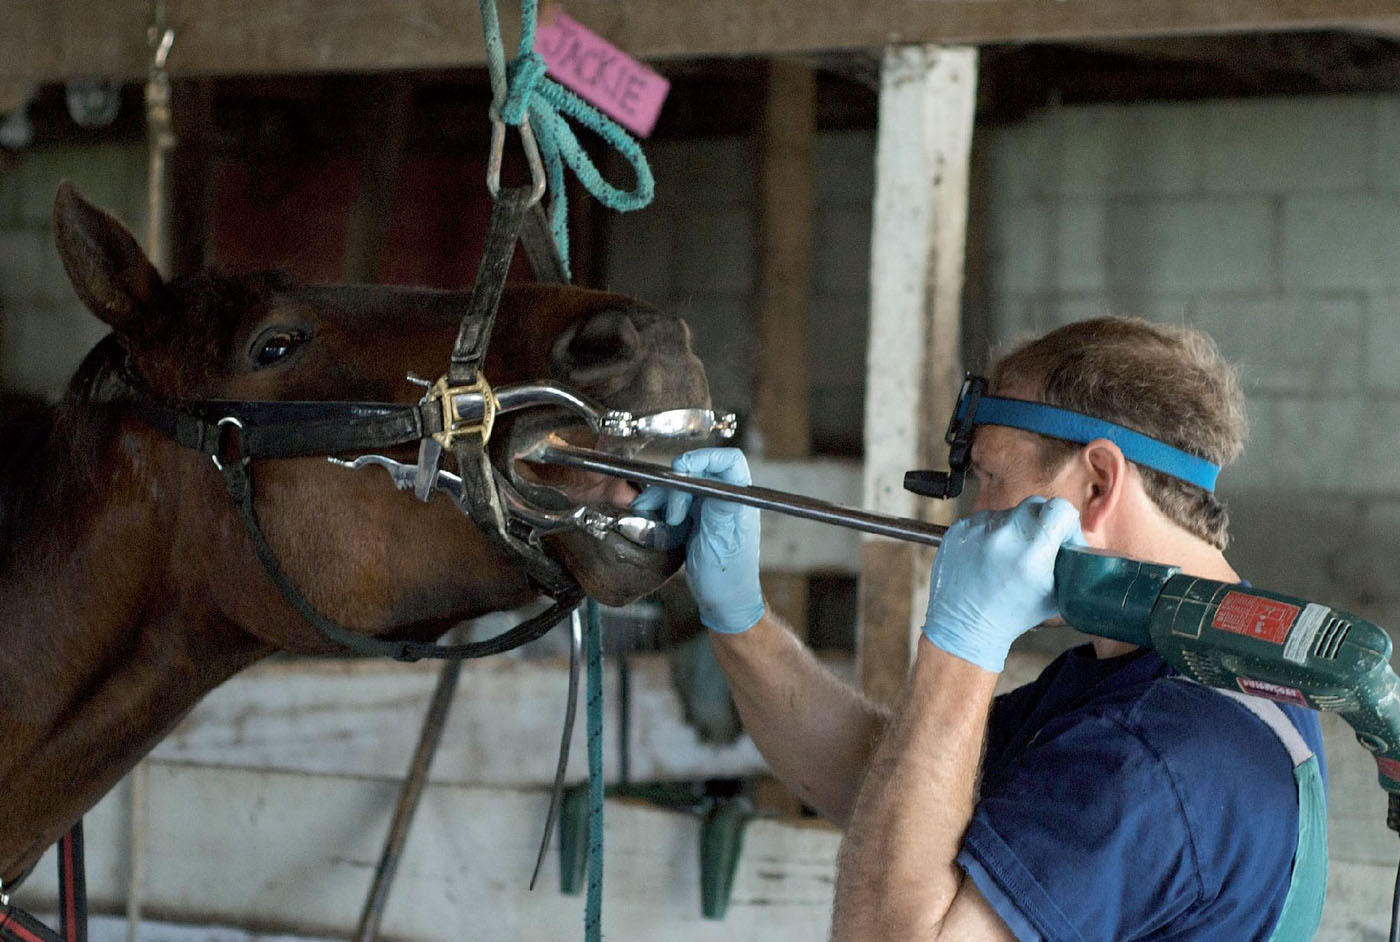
(532, 157)
(228, 421)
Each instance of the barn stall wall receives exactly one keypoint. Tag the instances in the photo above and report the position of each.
(1271, 223)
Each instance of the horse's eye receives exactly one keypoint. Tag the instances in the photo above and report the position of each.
(276, 344)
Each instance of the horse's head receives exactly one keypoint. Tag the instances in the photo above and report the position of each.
(368, 556)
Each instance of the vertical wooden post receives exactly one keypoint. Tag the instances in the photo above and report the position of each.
(785, 219)
(927, 105)
(386, 140)
(191, 113)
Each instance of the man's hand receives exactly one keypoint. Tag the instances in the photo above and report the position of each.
(721, 559)
(994, 578)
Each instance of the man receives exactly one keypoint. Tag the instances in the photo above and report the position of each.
(1116, 800)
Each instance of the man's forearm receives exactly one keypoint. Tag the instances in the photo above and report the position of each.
(816, 732)
(898, 876)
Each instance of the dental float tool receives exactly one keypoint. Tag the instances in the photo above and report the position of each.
(793, 505)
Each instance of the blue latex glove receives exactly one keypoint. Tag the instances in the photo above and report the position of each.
(994, 578)
(721, 557)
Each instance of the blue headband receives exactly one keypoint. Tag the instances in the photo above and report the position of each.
(1082, 429)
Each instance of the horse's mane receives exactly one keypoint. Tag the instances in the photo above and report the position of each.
(50, 452)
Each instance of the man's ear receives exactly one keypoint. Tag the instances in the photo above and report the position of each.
(1104, 477)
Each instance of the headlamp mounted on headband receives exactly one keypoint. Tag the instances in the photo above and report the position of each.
(976, 408)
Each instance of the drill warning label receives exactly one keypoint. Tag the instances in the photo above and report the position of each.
(1255, 617)
(1262, 688)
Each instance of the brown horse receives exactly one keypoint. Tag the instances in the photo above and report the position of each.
(129, 587)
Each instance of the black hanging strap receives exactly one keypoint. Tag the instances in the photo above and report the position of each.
(239, 479)
(541, 249)
(475, 333)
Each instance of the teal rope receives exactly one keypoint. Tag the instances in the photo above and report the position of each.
(593, 907)
(521, 89)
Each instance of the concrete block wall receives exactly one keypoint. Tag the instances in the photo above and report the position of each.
(44, 329)
(1274, 225)
(693, 252)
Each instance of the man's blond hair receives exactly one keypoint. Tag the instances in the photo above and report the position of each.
(1163, 380)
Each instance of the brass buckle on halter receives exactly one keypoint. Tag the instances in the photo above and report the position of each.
(453, 425)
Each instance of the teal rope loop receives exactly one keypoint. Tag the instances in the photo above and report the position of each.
(521, 89)
(593, 905)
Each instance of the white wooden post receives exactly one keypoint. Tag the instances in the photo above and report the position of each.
(927, 105)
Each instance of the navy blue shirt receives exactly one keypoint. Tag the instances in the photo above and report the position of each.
(1118, 803)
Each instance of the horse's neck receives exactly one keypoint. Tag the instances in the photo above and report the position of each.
(103, 654)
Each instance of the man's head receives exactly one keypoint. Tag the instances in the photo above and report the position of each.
(1165, 381)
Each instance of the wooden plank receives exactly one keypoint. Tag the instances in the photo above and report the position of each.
(927, 102)
(785, 218)
(352, 717)
(282, 852)
(191, 104)
(58, 39)
(888, 585)
(112, 929)
(786, 147)
(391, 105)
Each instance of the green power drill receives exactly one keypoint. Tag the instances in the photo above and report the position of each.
(1241, 638)
(1250, 640)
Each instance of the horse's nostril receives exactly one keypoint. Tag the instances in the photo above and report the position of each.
(602, 347)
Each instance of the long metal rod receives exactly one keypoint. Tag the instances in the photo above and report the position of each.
(764, 498)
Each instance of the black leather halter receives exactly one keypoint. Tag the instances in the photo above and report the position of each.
(235, 432)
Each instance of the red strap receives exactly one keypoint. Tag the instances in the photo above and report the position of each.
(18, 926)
(72, 886)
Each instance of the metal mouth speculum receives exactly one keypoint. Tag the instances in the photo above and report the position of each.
(471, 406)
(472, 411)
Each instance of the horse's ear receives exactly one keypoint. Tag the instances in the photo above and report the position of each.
(109, 271)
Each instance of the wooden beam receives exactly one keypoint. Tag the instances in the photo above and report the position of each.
(786, 214)
(785, 219)
(58, 39)
(786, 149)
(387, 137)
(191, 105)
(927, 103)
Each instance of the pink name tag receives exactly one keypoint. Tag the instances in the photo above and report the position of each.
(599, 72)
